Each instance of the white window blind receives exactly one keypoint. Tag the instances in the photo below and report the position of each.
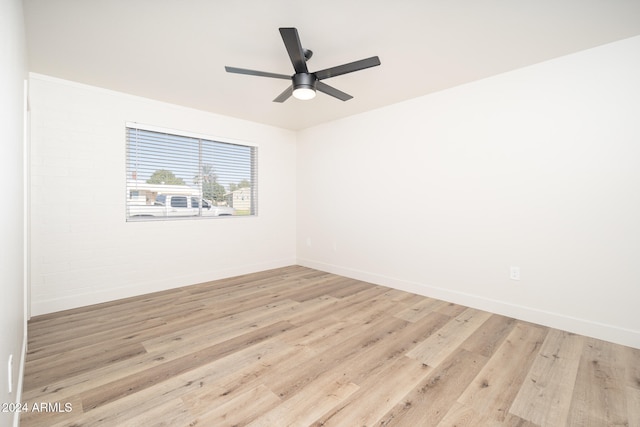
(173, 174)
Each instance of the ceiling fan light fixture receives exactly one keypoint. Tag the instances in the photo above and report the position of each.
(304, 93)
(304, 86)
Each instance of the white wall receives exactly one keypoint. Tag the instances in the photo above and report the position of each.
(84, 251)
(12, 106)
(537, 168)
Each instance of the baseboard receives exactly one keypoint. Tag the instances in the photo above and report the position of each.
(43, 305)
(585, 327)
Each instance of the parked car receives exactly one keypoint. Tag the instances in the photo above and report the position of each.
(209, 209)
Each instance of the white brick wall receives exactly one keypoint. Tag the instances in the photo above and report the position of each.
(83, 250)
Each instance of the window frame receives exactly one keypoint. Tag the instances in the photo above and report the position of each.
(132, 182)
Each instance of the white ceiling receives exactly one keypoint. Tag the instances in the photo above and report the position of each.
(175, 50)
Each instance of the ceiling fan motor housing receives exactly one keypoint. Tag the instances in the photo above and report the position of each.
(304, 81)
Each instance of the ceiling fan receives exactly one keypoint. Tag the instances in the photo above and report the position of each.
(303, 83)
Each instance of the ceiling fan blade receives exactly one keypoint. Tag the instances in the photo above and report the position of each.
(348, 68)
(329, 90)
(284, 95)
(294, 49)
(256, 73)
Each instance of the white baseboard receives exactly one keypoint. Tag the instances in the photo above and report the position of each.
(585, 327)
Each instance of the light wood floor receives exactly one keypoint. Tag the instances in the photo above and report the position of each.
(295, 346)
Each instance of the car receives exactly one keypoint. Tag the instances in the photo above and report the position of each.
(210, 209)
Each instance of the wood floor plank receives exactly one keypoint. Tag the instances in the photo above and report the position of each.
(352, 287)
(599, 397)
(130, 385)
(170, 414)
(62, 333)
(134, 367)
(631, 363)
(324, 348)
(297, 346)
(229, 383)
(490, 335)
(438, 346)
(356, 340)
(632, 366)
(633, 406)
(492, 391)
(187, 386)
(112, 310)
(340, 309)
(326, 286)
(545, 396)
(430, 400)
(78, 339)
(204, 334)
(420, 309)
(461, 415)
(238, 411)
(122, 335)
(451, 309)
(370, 402)
(211, 379)
(47, 370)
(301, 409)
(371, 356)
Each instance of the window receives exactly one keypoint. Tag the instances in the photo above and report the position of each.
(173, 174)
(179, 202)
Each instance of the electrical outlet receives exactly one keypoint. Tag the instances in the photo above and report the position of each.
(514, 273)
